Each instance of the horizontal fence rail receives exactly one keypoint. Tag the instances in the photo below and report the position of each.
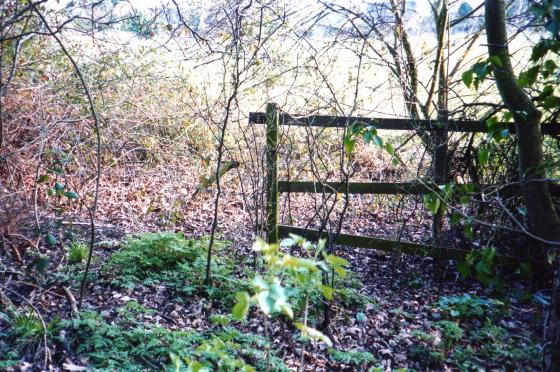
(386, 245)
(465, 126)
(393, 188)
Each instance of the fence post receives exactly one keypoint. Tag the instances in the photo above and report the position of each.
(272, 119)
(440, 168)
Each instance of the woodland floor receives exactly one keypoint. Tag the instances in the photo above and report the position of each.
(392, 312)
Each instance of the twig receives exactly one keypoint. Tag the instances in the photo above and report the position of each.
(72, 301)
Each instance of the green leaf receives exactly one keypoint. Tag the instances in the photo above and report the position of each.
(432, 202)
(241, 308)
(196, 366)
(483, 156)
(464, 269)
(327, 291)
(272, 298)
(349, 144)
(71, 195)
(337, 263)
(551, 102)
(361, 317)
(313, 333)
(43, 178)
(40, 263)
(467, 78)
(468, 230)
(298, 263)
(527, 78)
(482, 267)
(547, 91)
(390, 149)
(525, 269)
(51, 240)
(550, 65)
(378, 141)
(496, 61)
(58, 187)
(456, 218)
(539, 50)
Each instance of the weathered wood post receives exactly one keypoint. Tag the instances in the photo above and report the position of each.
(440, 169)
(272, 123)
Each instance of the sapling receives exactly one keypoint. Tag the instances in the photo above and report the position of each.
(272, 297)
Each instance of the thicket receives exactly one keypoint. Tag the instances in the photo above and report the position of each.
(167, 94)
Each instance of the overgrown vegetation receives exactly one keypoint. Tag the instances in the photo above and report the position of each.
(471, 330)
(137, 171)
(171, 260)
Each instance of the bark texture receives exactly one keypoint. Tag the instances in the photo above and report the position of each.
(543, 217)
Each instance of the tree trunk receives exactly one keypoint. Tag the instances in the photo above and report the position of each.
(543, 218)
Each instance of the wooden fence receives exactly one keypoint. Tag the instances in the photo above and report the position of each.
(272, 118)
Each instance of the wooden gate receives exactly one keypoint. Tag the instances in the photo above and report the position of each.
(272, 118)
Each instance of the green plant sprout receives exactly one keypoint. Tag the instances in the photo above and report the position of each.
(272, 297)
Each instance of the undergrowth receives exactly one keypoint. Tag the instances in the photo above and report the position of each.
(176, 262)
(471, 337)
(124, 346)
(22, 334)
